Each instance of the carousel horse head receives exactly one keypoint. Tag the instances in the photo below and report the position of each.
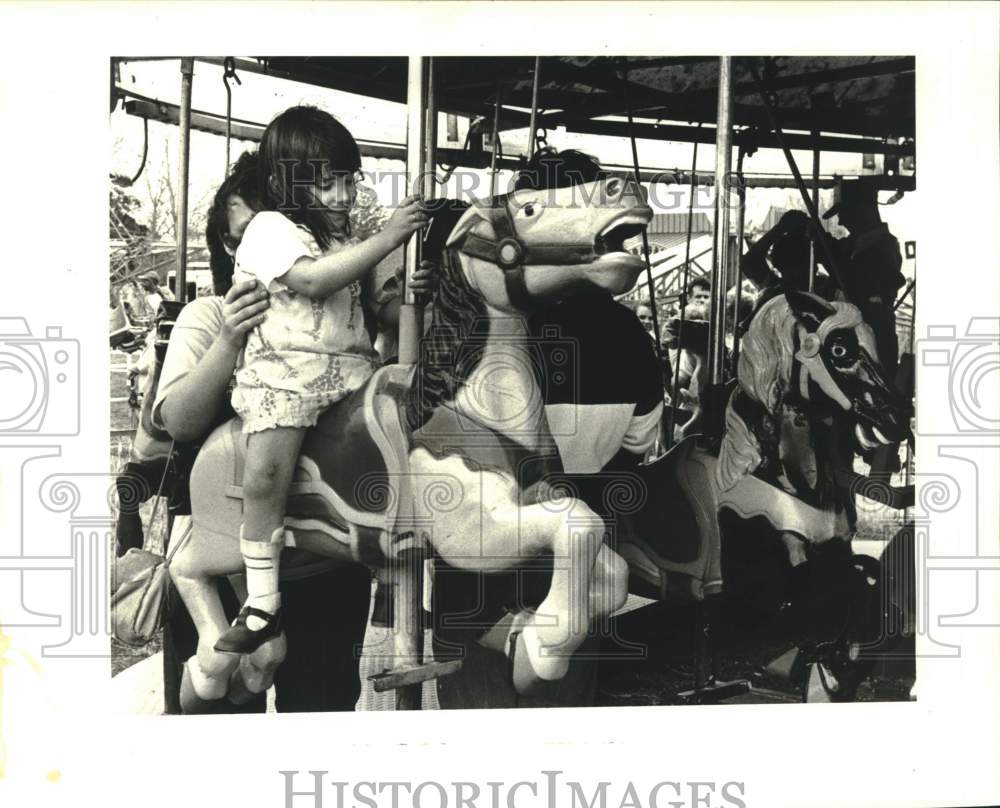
(819, 356)
(538, 244)
(503, 257)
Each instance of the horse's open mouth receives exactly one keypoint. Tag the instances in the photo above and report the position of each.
(612, 239)
(869, 437)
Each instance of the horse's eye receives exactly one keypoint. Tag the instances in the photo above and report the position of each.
(529, 210)
(843, 348)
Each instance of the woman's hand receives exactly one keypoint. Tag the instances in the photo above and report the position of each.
(409, 217)
(424, 282)
(243, 308)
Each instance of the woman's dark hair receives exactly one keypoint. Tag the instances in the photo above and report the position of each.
(549, 168)
(241, 182)
(297, 148)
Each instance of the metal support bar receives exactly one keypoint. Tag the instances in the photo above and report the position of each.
(687, 134)
(409, 311)
(815, 196)
(737, 257)
(720, 256)
(246, 130)
(495, 143)
(534, 107)
(645, 237)
(184, 158)
(408, 631)
(430, 138)
(682, 301)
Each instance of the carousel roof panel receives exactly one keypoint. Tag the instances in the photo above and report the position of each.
(851, 95)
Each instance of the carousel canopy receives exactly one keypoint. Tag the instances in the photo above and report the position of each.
(855, 96)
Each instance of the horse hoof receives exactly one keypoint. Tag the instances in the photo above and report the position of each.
(239, 692)
(191, 702)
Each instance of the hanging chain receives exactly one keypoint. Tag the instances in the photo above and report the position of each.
(229, 72)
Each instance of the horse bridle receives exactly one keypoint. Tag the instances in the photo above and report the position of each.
(511, 254)
(815, 356)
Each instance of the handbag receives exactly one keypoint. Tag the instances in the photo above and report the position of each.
(140, 585)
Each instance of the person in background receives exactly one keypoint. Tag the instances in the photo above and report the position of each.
(699, 293)
(645, 314)
(869, 261)
(787, 245)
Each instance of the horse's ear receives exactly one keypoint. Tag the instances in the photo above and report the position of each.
(473, 216)
(808, 309)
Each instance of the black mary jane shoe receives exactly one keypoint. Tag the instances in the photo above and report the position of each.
(239, 639)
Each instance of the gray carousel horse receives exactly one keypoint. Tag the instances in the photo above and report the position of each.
(449, 456)
(809, 385)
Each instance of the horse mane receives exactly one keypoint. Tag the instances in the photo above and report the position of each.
(459, 320)
(766, 354)
(764, 375)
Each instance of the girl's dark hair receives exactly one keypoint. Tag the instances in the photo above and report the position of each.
(242, 182)
(296, 148)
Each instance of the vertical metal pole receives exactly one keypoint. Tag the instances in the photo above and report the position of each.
(407, 569)
(815, 199)
(741, 216)
(495, 143)
(184, 157)
(409, 312)
(534, 106)
(430, 134)
(682, 298)
(720, 254)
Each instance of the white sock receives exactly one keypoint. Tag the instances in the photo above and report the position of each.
(262, 564)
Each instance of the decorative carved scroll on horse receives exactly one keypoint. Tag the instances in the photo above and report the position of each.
(450, 456)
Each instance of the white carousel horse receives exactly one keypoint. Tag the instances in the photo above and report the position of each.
(450, 455)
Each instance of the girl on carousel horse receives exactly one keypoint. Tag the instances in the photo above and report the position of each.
(313, 348)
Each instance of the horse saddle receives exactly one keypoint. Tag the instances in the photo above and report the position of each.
(352, 481)
(672, 542)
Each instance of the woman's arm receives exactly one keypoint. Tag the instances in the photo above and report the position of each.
(319, 278)
(193, 399)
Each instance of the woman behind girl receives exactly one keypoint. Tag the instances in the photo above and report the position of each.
(313, 348)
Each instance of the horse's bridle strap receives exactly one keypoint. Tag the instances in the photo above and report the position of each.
(547, 254)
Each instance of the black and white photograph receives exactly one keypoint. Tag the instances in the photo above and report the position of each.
(620, 454)
(462, 423)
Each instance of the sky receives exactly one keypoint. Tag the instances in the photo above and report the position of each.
(259, 98)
